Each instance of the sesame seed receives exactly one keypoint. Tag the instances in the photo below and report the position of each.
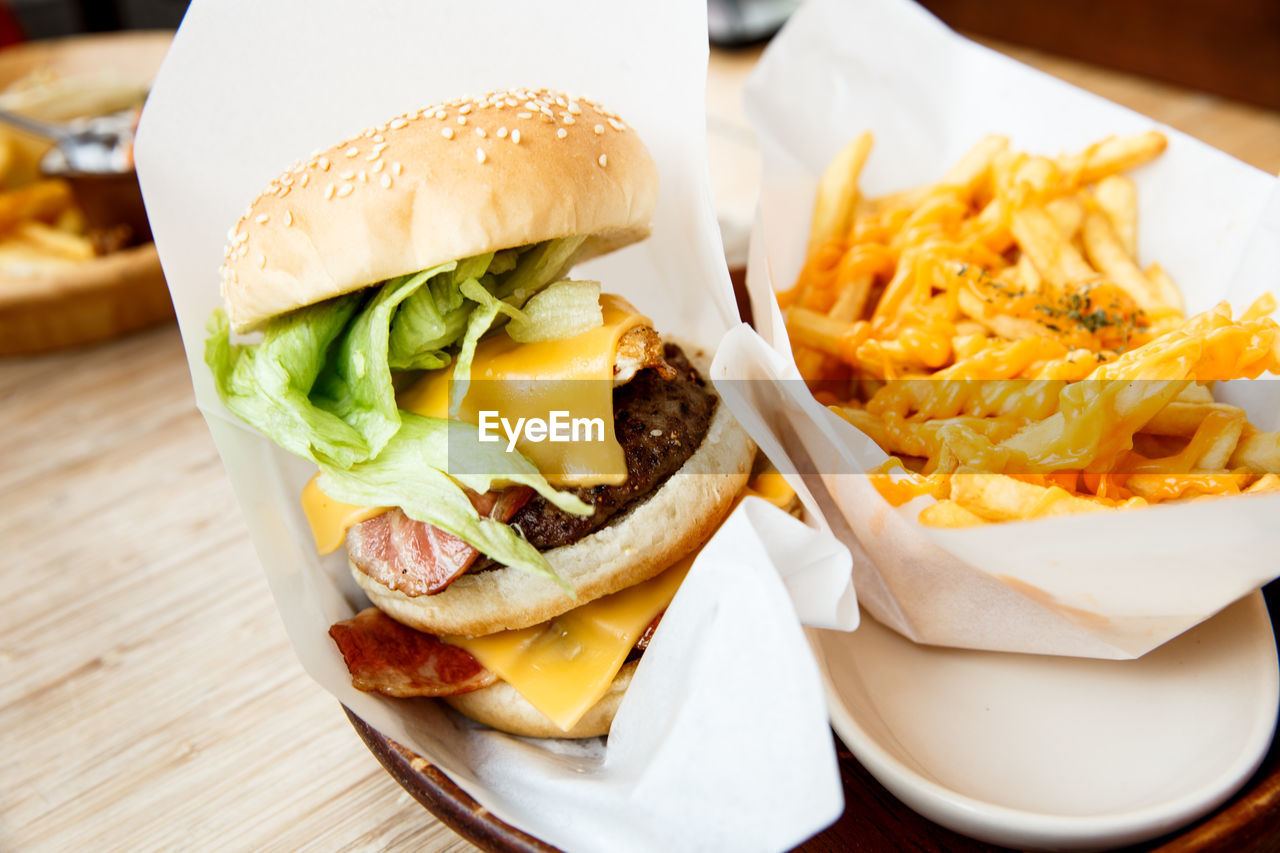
(525, 115)
(262, 219)
(397, 123)
(441, 114)
(446, 132)
(363, 176)
(377, 167)
(262, 262)
(480, 132)
(569, 120)
(288, 217)
(346, 176)
(241, 237)
(599, 129)
(386, 181)
(515, 136)
(396, 169)
(512, 102)
(465, 109)
(346, 189)
(323, 163)
(561, 133)
(231, 234)
(381, 139)
(462, 119)
(530, 105)
(574, 108)
(603, 161)
(655, 432)
(369, 158)
(480, 158)
(616, 125)
(352, 151)
(380, 147)
(328, 192)
(304, 180)
(502, 133)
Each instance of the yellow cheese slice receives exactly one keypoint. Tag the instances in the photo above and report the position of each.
(564, 666)
(329, 519)
(531, 380)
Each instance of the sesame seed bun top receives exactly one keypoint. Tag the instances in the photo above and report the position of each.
(438, 184)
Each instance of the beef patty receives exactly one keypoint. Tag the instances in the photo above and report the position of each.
(659, 423)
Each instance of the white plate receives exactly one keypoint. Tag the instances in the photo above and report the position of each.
(1034, 752)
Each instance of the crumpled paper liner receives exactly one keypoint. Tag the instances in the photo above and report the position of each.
(1112, 585)
(722, 741)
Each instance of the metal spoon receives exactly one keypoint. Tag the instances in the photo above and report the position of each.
(99, 145)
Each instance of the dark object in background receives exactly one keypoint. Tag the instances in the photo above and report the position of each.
(42, 19)
(738, 23)
(1228, 47)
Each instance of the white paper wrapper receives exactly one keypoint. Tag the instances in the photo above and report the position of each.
(722, 742)
(1109, 585)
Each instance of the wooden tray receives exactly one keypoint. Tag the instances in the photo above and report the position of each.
(105, 297)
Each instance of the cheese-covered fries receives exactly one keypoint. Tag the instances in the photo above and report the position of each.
(996, 335)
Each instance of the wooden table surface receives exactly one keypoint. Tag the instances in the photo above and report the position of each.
(148, 695)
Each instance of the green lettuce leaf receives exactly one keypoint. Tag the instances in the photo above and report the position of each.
(487, 310)
(320, 384)
(560, 310)
(433, 317)
(268, 384)
(358, 387)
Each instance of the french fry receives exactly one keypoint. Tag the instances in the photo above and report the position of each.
(1117, 195)
(1257, 451)
(1113, 155)
(55, 241)
(997, 497)
(1068, 213)
(852, 301)
(22, 260)
(1195, 393)
(1104, 250)
(1265, 483)
(838, 194)
(948, 513)
(1163, 487)
(43, 200)
(1182, 418)
(814, 329)
(1263, 306)
(1216, 439)
(973, 168)
(1004, 326)
(1057, 261)
(1027, 274)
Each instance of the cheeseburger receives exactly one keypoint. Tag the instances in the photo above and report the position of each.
(519, 466)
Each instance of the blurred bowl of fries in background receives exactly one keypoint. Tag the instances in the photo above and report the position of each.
(77, 264)
(1038, 415)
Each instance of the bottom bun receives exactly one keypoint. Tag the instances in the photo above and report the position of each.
(499, 706)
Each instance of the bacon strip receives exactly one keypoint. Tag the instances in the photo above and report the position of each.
(417, 558)
(384, 656)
